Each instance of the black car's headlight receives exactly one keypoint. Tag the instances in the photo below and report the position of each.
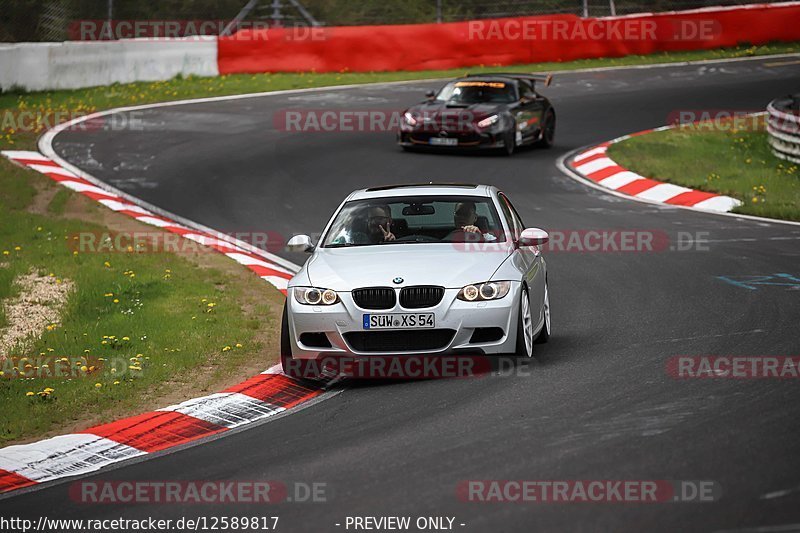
(409, 119)
(488, 121)
(315, 296)
(490, 290)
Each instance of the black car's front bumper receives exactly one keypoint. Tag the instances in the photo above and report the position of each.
(465, 140)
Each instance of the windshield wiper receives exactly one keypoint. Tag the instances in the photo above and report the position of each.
(343, 245)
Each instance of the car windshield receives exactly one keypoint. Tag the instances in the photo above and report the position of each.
(477, 92)
(414, 220)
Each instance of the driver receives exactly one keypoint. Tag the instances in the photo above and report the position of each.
(379, 224)
(369, 225)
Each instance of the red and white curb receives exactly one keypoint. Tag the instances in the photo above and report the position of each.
(261, 396)
(595, 165)
(267, 269)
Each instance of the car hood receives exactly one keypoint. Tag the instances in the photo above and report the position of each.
(441, 114)
(446, 265)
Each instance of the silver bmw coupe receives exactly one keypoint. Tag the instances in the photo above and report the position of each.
(418, 269)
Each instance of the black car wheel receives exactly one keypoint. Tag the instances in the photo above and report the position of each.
(510, 142)
(548, 130)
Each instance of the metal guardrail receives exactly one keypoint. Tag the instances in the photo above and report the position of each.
(783, 127)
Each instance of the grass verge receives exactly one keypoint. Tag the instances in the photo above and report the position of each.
(726, 160)
(139, 331)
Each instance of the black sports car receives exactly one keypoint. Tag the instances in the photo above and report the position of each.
(495, 111)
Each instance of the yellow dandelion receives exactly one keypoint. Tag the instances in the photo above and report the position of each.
(29, 393)
(98, 385)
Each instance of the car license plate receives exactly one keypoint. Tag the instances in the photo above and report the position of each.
(443, 141)
(399, 321)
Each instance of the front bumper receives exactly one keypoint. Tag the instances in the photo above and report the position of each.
(344, 317)
(466, 140)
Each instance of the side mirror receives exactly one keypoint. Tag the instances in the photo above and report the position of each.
(533, 237)
(430, 95)
(300, 243)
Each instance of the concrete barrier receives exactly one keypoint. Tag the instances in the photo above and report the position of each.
(73, 64)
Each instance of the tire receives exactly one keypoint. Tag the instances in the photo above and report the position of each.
(299, 369)
(524, 327)
(286, 346)
(544, 333)
(548, 130)
(510, 143)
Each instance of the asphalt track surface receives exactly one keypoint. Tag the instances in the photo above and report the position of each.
(595, 403)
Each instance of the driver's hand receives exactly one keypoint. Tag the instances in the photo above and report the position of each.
(471, 229)
(387, 234)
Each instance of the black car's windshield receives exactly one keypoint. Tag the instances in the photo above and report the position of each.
(413, 220)
(477, 92)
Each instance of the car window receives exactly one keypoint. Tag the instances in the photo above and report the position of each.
(477, 92)
(517, 217)
(426, 219)
(525, 90)
(509, 216)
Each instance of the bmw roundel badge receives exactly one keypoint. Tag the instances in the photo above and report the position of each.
(398, 280)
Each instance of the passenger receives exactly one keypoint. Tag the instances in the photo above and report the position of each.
(465, 217)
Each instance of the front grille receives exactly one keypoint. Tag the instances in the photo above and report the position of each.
(374, 298)
(399, 341)
(419, 297)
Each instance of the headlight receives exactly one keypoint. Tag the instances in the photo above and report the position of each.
(409, 118)
(491, 290)
(315, 296)
(488, 121)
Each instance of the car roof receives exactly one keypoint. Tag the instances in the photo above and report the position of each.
(424, 189)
